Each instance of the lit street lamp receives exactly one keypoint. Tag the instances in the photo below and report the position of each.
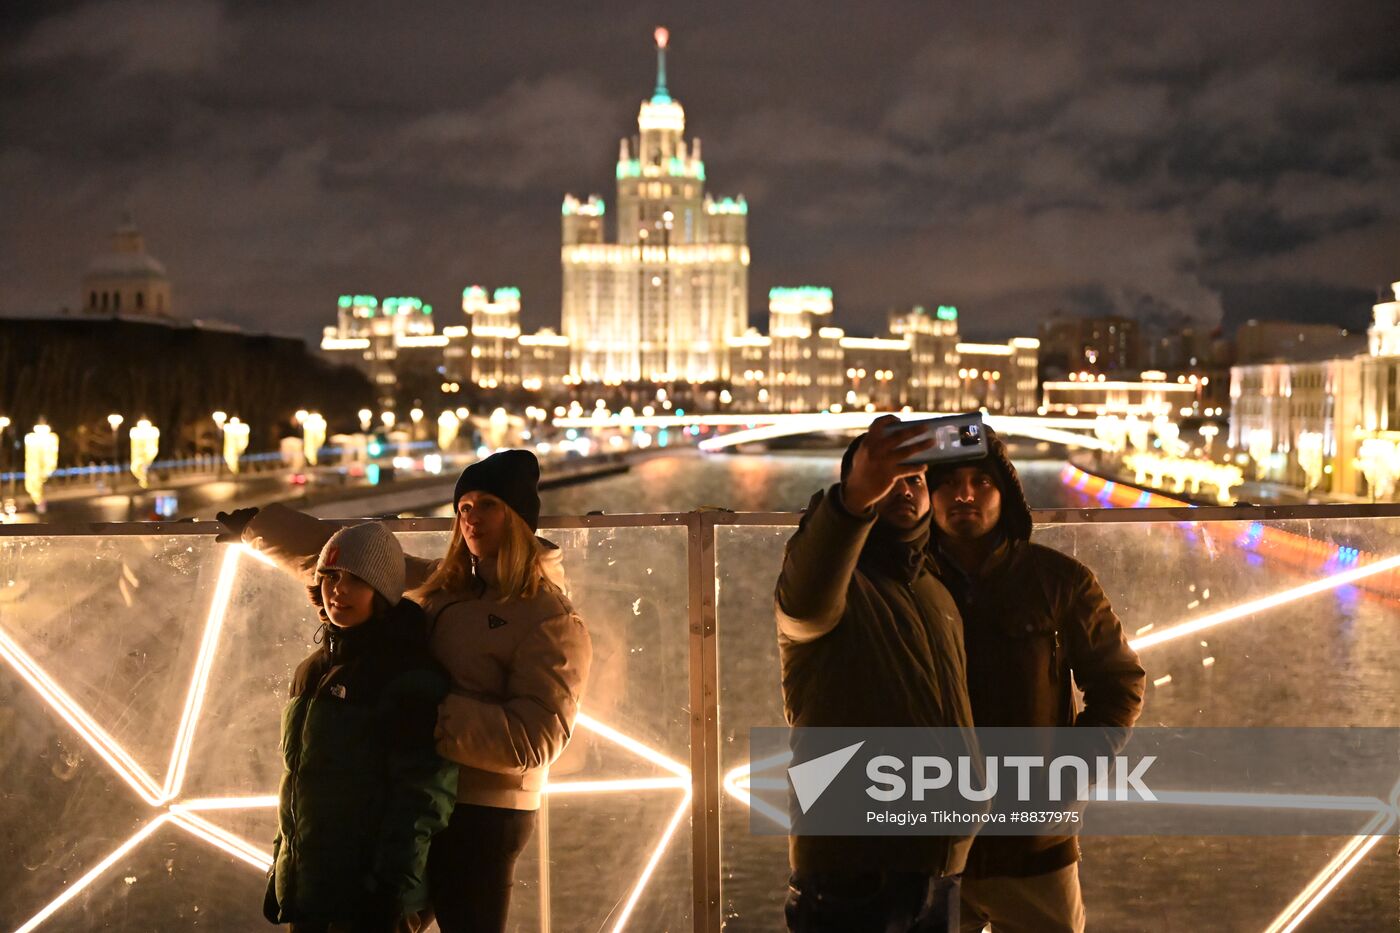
(366, 419)
(4, 450)
(114, 421)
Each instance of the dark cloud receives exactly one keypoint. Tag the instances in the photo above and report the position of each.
(1198, 162)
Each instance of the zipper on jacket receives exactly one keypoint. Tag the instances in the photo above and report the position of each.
(1055, 657)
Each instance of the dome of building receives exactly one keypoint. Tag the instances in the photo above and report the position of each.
(127, 279)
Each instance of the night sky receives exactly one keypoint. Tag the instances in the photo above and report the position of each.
(1176, 161)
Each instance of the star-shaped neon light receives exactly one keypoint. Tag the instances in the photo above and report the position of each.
(170, 808)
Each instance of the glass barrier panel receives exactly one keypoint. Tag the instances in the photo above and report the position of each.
(140, 694)
(1238, 624)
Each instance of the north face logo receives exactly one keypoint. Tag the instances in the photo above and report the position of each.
(495, 621)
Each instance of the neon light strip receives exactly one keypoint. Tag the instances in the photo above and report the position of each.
(1183, 798)
(1268, 602)
(227, 803)
(220, 838)
(1321, 895)
(199, 682)
(93, 874)
(736, 784)
(254, 553)
(1322, 884)
(652, 862)
(82, 723)
(632, 745)
(625, 784)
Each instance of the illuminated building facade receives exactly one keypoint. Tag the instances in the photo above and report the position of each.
(662, 301)
(750, 355)
(877, 371)
(544, 361)
(933, 356)
(1327, 424)
(494, 326)
(804, 352)
(372, 336)
(919, 364)
(1000, 377)
(127, 280)
(1286, 412)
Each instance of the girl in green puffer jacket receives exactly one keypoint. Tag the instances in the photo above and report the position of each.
(363, 791)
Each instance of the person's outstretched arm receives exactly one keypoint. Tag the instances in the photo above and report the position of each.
(821, 557)
(294, 540)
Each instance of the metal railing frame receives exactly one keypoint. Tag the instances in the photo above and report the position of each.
(702, 581)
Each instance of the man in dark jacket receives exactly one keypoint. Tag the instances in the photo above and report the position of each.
(1032, 619)
(868, 636)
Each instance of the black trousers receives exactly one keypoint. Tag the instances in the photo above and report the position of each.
(471, 867)
(872, 902)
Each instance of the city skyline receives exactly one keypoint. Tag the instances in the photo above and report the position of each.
(909, 181)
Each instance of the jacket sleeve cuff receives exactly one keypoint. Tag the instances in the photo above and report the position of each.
(292, 539)
(837, 497)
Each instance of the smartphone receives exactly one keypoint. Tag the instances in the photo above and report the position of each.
(956, 438)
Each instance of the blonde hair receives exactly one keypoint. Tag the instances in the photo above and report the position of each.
(520, 568)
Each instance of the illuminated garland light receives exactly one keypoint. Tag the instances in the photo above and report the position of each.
(40, 460)
(235, 442)
(313, 429)
(145, 443)
(1186, 474)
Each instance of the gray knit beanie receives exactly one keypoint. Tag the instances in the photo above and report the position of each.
(369, 551)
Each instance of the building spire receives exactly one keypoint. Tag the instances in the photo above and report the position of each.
(661, 95)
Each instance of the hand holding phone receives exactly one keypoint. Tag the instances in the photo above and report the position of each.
(949, 439)
(880, 462)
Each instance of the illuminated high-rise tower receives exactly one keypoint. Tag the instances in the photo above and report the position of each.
(661, 301)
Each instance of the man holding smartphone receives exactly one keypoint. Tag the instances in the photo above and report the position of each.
(868, 636)
(1033, 618)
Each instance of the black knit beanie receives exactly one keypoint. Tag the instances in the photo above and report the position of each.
(513, 476)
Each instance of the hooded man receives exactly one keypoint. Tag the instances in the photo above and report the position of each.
(868, 636)
(1033, 618)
